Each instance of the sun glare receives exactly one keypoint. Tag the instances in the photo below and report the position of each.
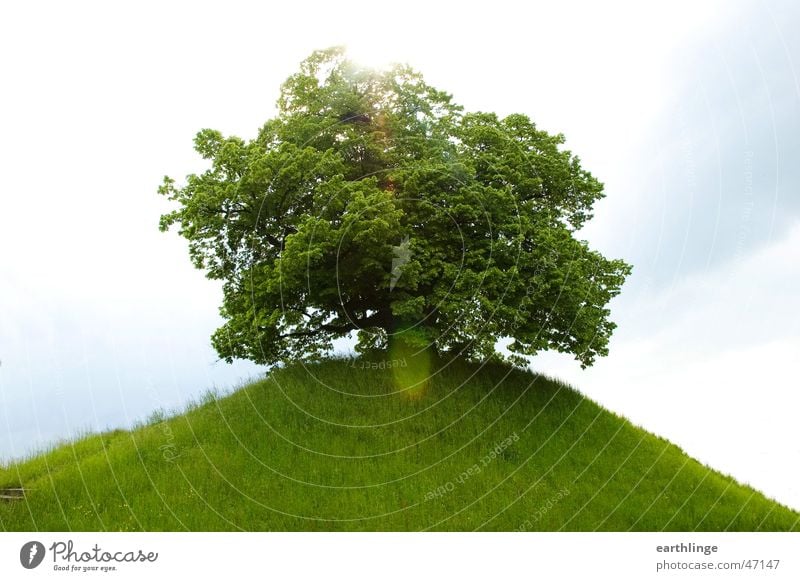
(374, 54)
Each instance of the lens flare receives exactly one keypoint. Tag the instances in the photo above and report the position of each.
(412, 376)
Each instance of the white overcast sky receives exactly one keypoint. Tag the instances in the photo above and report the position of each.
(688, 111)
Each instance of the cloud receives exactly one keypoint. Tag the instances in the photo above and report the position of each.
(711, 364)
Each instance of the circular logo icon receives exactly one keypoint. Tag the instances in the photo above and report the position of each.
(31, 554)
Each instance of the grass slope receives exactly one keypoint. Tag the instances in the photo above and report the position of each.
(336, 446)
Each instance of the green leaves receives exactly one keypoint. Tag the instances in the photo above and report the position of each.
(373, 206)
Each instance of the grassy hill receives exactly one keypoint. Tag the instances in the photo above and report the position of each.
(339, 445)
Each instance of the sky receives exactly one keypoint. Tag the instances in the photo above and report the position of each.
(688, 111)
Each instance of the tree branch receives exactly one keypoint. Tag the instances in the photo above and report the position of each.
(375, 320)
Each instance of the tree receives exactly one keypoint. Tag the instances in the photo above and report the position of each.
(374, 206)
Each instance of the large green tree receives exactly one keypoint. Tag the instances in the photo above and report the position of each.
(373, 205)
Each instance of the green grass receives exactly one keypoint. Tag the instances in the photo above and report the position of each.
(338, 446)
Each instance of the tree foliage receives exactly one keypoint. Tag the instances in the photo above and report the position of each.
(372, 205)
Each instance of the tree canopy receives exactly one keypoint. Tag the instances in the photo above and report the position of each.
(374, 206)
